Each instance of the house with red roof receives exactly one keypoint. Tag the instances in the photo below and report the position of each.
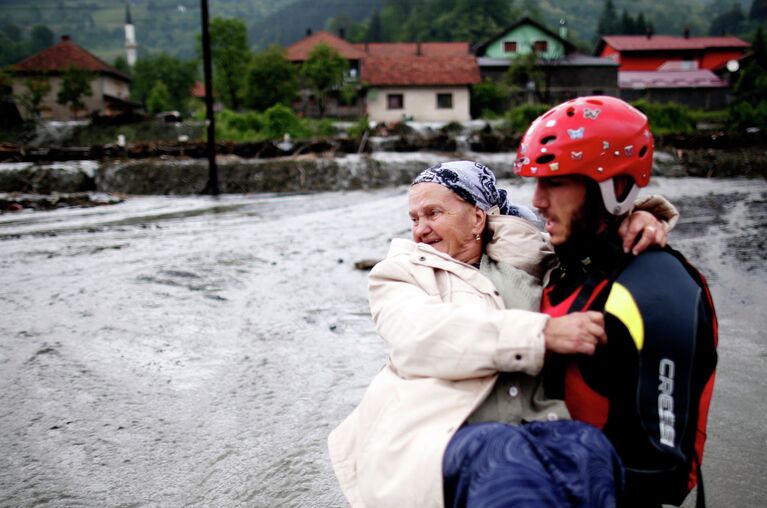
(427, 81)
(110, 87)
(664, 68)
(420, 81)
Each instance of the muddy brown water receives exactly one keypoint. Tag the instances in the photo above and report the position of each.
(186, 351)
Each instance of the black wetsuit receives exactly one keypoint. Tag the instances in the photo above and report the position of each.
(650, 387)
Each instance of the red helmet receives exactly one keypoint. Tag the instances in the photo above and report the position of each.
(599, 137)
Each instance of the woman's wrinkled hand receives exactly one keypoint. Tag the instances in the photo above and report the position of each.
(579, 332)
(641, 230)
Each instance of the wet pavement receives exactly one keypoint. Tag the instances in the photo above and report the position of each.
(192, 351)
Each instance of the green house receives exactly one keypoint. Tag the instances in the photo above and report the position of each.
(559, 73)
(524, 37)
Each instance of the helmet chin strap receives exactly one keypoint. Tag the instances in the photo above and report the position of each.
(607, 188)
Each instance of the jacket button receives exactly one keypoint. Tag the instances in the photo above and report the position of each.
(496, 293)
(422, 258)
(517, 356)
(513, 391)
(552, 417)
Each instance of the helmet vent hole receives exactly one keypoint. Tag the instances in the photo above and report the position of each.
(571, 111)
(543, 159)
(595, 101)
(642, 151)
(547, 140)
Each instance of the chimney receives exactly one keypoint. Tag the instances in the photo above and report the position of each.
(687, 32)
(648, 33)
(308, 32)
(563, 28)
(366, 46)
(64, 38)
(418, 48)
(342, 33)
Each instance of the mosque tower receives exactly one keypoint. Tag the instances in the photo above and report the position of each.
(130, 37)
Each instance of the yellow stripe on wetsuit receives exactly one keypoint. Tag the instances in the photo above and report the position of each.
(622, 305)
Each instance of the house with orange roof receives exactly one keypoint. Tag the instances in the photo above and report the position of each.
(110, 87)
(663, 68)
(418, 81)
(427, 81)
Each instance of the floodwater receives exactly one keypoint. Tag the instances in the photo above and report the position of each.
(191, 351)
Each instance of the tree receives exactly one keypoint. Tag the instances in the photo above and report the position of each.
(75, 85)
(628, 26)
(270, 79)
(35, 90)
(608, 23)
(374, 31)
(11, 31)
(758, 11)
(641, 25)
(177, 75)
(229, 53)
(749, 109)
(759, 47)
(41, 38)
(524, 74)
(728, 22)
(159, 98)
(122, 65)
(324, 70)
(488, 97)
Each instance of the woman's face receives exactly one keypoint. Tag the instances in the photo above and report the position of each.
(446, 222)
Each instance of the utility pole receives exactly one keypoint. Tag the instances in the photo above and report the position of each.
(212, 186)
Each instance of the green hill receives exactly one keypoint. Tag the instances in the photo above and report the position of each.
(172, 25)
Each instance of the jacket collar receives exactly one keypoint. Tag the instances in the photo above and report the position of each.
(426, 255)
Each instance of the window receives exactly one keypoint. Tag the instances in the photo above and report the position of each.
(444, 101)
(395, 101)
(510, 46)
(540, 46)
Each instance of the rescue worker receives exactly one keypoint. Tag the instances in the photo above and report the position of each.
(649, 387)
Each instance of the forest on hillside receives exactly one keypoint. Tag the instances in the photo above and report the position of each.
(171, 26)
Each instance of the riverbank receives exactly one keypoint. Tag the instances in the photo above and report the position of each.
(321, 171)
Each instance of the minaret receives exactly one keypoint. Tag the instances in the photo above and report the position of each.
(130, 37)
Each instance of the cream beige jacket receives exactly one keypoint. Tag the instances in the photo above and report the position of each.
(448, 334)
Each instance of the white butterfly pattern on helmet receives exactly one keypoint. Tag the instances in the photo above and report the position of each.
(591, 114)
(576, 133)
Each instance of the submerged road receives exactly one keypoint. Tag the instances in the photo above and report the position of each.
(192, 351)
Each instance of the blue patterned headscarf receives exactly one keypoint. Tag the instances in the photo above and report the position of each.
(474, 183)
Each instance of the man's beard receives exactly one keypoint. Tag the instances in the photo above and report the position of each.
(585, 225)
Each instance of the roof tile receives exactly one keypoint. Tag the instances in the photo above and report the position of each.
(299, 51)
(420, 70)
(64, 54)
(668, 42)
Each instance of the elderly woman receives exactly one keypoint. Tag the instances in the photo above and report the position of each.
(460, 358)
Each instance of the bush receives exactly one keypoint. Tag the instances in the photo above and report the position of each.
(357, 130)
(667, 118)
(744, 115)
(231, 126)
(717, 118)
(489, 99)
(520, 118)
(280, 120)
(324, 128)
